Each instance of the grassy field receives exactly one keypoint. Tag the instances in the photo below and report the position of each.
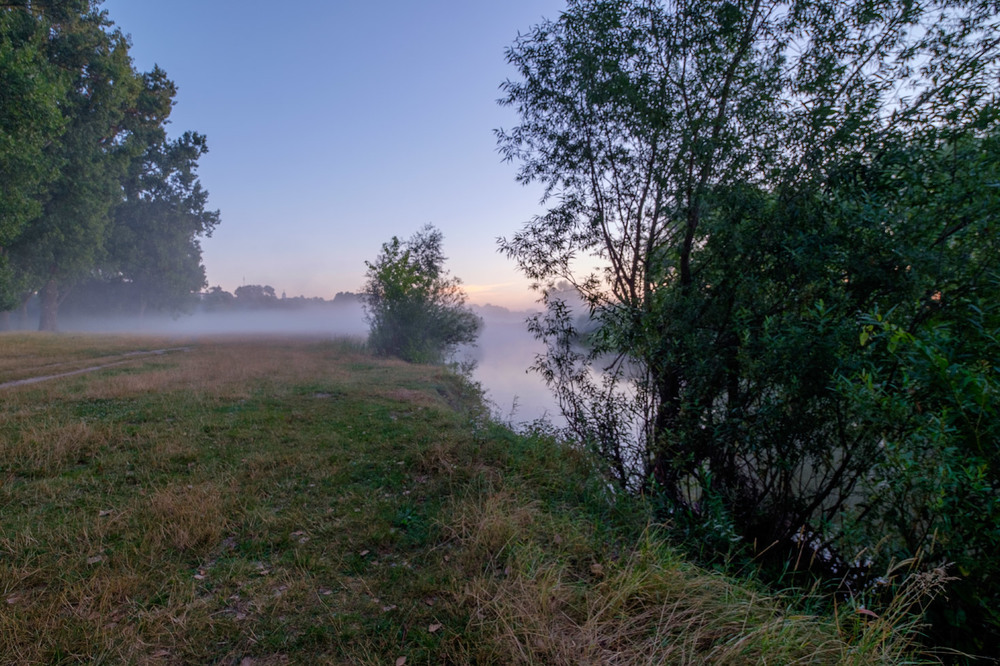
(280, 501)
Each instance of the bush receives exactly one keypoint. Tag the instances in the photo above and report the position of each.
(415, 311)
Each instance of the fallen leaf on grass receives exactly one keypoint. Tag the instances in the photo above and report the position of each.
(401, 661)
(386, 609)
(95, 559)
(364, 552)
(433, 628)
(106, 512)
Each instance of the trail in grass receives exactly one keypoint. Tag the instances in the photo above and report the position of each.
(123, 358)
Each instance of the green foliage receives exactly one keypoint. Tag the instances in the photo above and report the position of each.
(31, 89)
(152, 258)
(255, 295)
(415, 310)
(153, 244)
(92, 188)
(748, 178)
(935, 397)
(67, 239)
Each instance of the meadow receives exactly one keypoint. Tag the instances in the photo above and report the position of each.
(255, 500)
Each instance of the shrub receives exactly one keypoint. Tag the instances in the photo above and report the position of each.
(415, 310)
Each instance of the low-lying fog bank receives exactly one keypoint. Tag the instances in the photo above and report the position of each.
(505, 351)
(323, 321)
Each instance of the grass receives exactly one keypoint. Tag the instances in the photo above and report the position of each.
(279, 501)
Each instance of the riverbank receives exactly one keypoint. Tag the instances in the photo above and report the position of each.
(275, 500)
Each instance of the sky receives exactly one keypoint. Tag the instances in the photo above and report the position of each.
(334, 125)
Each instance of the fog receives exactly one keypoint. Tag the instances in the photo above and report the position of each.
(505, 352)
(502, 357)
(320, 320)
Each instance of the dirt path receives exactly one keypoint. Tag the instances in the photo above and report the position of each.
(124, 358)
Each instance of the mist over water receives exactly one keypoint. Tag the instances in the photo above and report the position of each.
(503, 355)
(505, 352)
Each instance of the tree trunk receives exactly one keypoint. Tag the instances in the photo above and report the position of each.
(22, 312)
(50, 306)
(666, 456)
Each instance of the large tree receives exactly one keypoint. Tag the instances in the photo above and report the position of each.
(153, 248)
(31, 91)
(67, 238)
(122, 208)
(110, 112)
(742, 176)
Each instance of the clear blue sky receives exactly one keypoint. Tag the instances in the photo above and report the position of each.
(334, 125)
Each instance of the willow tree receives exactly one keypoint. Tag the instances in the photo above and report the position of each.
(716, 162)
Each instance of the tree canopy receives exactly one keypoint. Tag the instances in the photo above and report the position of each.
(84, 144)
(757, 182)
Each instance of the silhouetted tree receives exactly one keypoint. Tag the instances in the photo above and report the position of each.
(255, 296)
(748, 178)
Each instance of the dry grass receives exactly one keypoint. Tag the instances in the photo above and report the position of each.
(185, 518)
(548, 583)
(646, 608)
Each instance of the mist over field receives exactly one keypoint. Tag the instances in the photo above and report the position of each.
(504, 352)
(319, 320)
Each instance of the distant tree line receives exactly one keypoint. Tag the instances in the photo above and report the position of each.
(264, 297)
(93, 194)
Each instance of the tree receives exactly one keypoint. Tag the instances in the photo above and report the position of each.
(926, 381)
(216, 299)
(110, 201)
(31, 89)
(102, 110)
(255, 296)
(153, 245)
(736, 171)
(414, 309)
